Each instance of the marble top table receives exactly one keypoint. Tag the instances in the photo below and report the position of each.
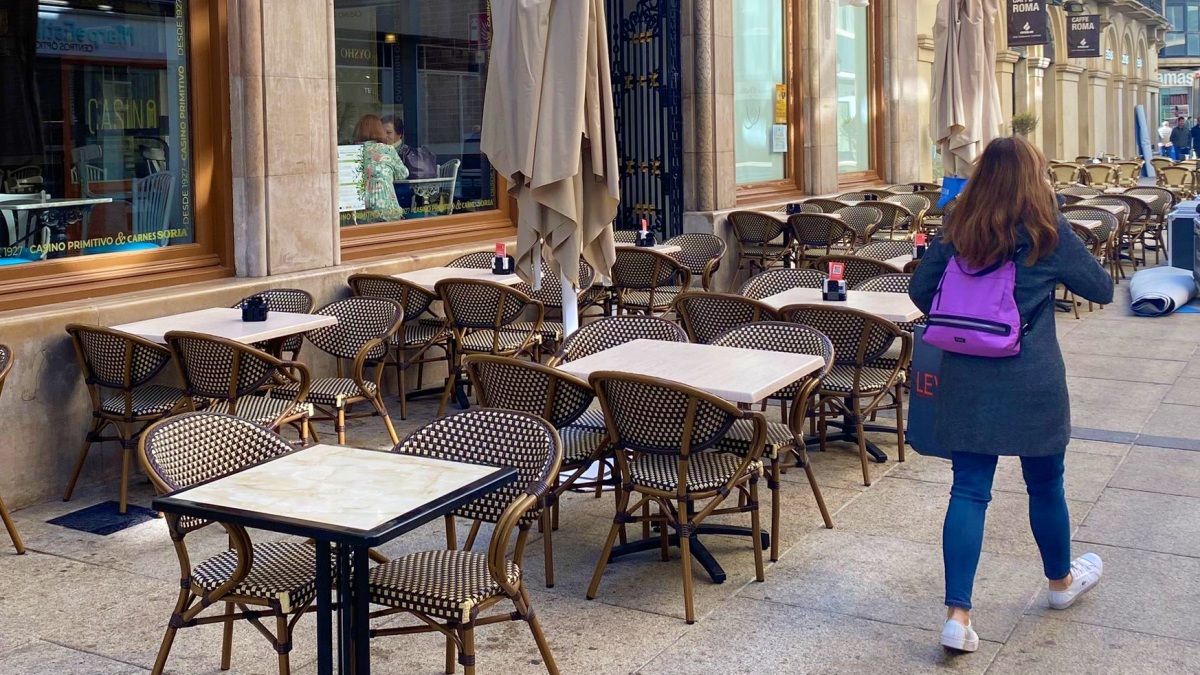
(665, 249)
(225, 322)
(734, 374)
(900, 261)
(1111, 208)
(1122, 191)
(337, 495)
(896, 307)
(427, 278)
(1089, 224)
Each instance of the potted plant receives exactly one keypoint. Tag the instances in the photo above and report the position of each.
(1024, 123)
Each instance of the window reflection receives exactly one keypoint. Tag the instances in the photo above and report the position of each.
(853, 86)
(758, 66)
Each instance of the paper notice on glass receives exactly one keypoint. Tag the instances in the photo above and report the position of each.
(350, 178)
(781, 104)
(779, 138)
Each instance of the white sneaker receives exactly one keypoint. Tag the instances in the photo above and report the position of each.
(959, 637)
(1086, 571)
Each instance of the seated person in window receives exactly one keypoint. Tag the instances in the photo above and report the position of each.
(381, 169)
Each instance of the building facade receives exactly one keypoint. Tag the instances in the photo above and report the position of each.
(214, 146)
(1179, 61)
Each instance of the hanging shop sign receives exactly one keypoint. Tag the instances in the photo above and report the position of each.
(1028, 23)
(1083, 36)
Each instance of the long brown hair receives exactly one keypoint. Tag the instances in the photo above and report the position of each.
(369, 128)
(1008, 188)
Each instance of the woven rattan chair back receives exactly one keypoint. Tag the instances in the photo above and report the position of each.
(917, 204)
(772, 282)
(550, 294)
(887, 283)
(1128, 172)
(294, 300)
(1081, 191)
(885, 250)
(863, 195)
(912, 188)
(1178, 177)
(646, 414)
(804, 207)
(471, 304)
(864, 219)
(495, 438)
(191, 448)
(641, 269)
(781, 336)
(896, 219)
(933, 197)
(858, 337)
(479, 260)
(512, 384)
(826, 204)
(1136, 210)
(363, 324)
(1065, 174)
(116, 360)
(625, 236)
(1083, 212)
(1102, 175)
(616, 330)
(216, 368)
(700, 252)
(1164, 200)
(857, 269)
(413, 298)
(1094, 243)
(754, 229)
(820, 231)
(707, 315)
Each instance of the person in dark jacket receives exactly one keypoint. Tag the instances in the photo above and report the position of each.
(1181, 139)
(1196, 136)
(987, 407)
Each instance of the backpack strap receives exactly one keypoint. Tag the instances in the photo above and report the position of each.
(1037, 314)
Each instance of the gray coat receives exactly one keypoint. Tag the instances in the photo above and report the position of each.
(1017, 405)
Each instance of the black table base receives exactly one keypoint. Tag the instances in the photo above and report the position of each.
(699, 551)
(352, 567)
(849, 434)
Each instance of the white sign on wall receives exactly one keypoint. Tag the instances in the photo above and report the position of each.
(350, 178)
(1176, 78)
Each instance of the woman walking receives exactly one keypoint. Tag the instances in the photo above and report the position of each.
(1017, 405)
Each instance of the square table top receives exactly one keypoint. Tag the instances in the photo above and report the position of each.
(351, 495)
(734, 374)
(1089, 224)
(36, 204)
(665, 249)
(896, 307)
(427, 278)
(226, 322)
(900, 261)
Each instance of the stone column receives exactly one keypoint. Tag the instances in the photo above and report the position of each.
(1066, 82)
(1035, 96)
(925, 139)
(899, 159)
(706, 34)
(1006, 62)
(1119, 127)
(1097, 138)
(818, 100)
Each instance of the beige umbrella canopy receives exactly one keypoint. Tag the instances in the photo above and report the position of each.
(966, 99)
(548, 129)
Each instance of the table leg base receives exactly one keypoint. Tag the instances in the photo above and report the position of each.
(850, 436)
(699, 551)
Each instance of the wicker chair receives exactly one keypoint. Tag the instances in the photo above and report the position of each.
(410, 344)
(802, 207)
(613, 331)
(1128, 173)
(1065, 175)
(913, 188)
(885, 250)
(701, 253)
(560, 399)
(6, 362)
(277, 579)
(777, 281)
(224, 376)
(1164, 201)
(864, 195)
(1178, 179)
(706, 315)
(827, 205)
(1081, 191)
(1097, 246)
(1110, 232)
(934, 215)
(1137, 223)
(756, 234)
(646, 281)
(449, 590)
(896, 221)
(858, 386)
(124, 365)
(673, 468)
(857, 269)
(916, 204)
(550, 295)
(362, 336)
(479, 260)
(295, 300)
(482, 317)
(1099, 175)
(864, 219)
(1160, 163)
(625, 236)
(787, 437)
(820, 234)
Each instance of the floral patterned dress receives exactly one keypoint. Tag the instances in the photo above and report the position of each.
(382, 167)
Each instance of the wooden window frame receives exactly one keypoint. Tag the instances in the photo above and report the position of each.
(876, 105)
(211, 253)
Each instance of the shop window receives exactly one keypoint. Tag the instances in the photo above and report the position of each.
(760, 111)
(855, 130)
(410, 83)
(95, 149)
(101, 141)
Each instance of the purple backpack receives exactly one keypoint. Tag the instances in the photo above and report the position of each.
(975, 312)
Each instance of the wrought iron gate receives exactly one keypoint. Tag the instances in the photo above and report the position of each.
(644, 42)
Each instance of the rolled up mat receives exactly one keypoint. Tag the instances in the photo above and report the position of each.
(1161, 290)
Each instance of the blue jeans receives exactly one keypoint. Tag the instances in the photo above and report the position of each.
(962, 534)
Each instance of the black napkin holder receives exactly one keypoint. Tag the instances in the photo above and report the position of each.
(504, 265)
(254, 309)
(918, 252)
(646, 239)
(833, 290)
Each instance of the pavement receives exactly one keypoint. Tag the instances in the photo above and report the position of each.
(864, 597)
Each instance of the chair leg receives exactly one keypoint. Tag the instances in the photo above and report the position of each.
(756, 529)
(12, 528)
(227, 637)
(812, 482)
(539, 637)
(451, 655)
(387, 420)
(622, 505)
(900, 440)
(548, 544)
(164, 649)
(451, 379)
(402, 385)
(773, 485)
(285, 640)
(340, 425)
(467, 657)
(83, 453)
(862, 448)
(126, 460)
(685, 552)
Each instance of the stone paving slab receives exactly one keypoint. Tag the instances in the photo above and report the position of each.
(1161, 470)
(1042, 645)
(1144, 520)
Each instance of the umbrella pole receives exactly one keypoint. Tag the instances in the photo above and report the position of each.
(570, 306)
